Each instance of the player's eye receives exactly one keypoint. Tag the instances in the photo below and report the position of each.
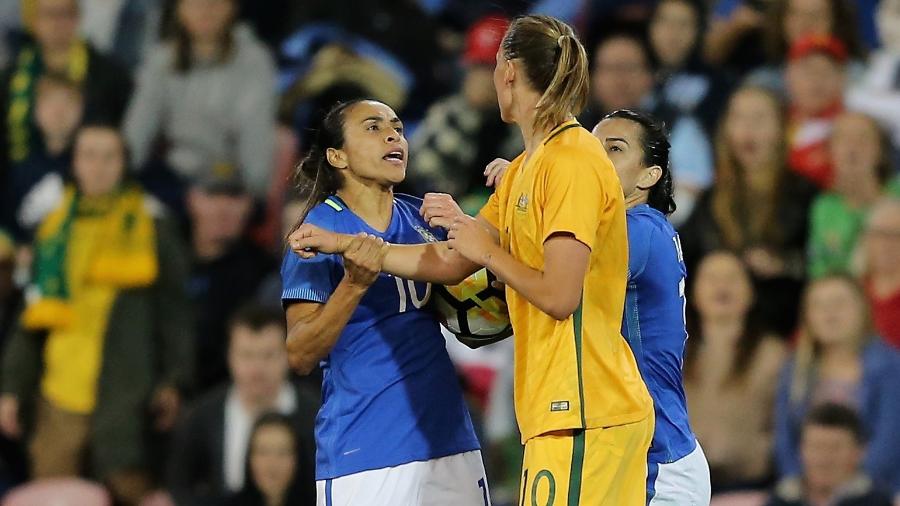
(373, 127)
(615, 148)
(399, 129)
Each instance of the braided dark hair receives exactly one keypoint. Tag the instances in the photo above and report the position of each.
(655, 145)
(314, 177)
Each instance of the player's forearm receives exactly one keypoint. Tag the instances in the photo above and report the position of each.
(311, 339)
(548, 295)
(428, 263)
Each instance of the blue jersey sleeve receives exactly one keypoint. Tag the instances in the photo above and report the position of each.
(640, 237)
(310, 280)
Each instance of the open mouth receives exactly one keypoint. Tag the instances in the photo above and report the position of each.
(396, 156)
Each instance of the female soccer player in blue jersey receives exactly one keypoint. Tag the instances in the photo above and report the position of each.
(653, 322)
(393, 428)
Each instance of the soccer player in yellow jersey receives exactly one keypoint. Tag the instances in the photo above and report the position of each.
(555, 233)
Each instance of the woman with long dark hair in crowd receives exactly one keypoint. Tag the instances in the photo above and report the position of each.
(757, 208)
(393, 427)
(730, 374)
(271, 471)
(207, 94)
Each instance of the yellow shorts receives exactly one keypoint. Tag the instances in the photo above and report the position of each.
(606, 466)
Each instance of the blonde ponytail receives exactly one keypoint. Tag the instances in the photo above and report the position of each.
(555, 63)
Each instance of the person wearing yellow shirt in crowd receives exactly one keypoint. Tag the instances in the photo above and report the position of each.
(555, 233)
(104, 337)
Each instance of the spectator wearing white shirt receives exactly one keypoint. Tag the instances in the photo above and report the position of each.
(207, 462)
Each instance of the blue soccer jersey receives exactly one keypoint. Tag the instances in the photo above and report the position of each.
(653, 323)
(390, 393)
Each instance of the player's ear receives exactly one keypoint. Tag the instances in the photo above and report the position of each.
(649, 177)
(509, 73)
(337, 158)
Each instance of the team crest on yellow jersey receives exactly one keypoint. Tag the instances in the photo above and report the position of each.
(522, 204)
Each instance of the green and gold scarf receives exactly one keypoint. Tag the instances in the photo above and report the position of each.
(126, 259)
(28, 69)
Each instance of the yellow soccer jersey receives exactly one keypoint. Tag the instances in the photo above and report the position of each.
(577, 373)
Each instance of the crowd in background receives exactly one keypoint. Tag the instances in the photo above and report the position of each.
(146, 154)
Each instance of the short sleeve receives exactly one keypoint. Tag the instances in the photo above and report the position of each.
(491, 211)
(574, 200)
(310, 280)
(640, 237)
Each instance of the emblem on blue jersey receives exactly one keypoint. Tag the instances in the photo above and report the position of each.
(427, 235)
(522, 203)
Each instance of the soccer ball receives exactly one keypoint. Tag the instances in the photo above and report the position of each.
(474, 310)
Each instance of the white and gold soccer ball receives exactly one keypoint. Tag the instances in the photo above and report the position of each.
(475, 310)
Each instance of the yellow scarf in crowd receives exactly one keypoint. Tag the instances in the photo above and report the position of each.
(127, 259)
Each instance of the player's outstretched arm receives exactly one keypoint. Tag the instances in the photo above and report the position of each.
(314, 328)
(429, 263)
(555, 289)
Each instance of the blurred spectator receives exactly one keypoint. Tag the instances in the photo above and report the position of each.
(789, 21)
(227, 268)
(816, 78)
(621, 78)
(272, 477)
(56, 48)
(461, 133)
(404, 29)
(208, 96)
(685, 83)
(207, 462)
(122, 29)
(757, 208)
(603, 17)
(878, 92)
(736, 34)
(344, 68)
(105, 338)
(832, 444)
(860, 153)
(730, 374)
(882, 267)
(59, 106)
(837, 361)
(689, 97)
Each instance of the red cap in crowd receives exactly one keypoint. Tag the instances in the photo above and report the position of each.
(823, 44)
(483, 40)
